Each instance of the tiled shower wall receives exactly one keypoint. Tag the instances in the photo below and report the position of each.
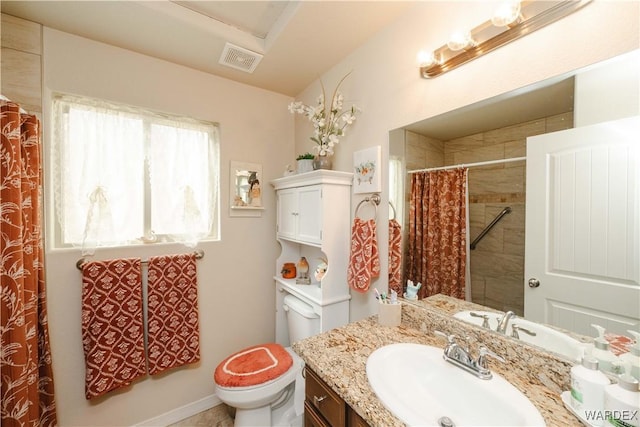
(497, 263)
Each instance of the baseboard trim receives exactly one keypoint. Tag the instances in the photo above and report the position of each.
(182, 412)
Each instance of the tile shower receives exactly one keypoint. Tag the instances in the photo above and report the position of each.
(497, 263)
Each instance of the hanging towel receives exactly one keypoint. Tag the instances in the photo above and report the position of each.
(395, 256)
(364, 262)
(112, 326)
(172, 310)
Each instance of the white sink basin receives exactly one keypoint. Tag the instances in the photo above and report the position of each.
(546, 338)
(419, 387)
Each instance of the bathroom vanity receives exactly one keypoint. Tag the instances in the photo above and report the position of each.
(338, 358)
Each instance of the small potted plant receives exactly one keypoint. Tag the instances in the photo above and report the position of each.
(305, 162)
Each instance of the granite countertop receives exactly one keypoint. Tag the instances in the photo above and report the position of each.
(339, 357)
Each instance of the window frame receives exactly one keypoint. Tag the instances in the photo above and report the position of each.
(148, 117)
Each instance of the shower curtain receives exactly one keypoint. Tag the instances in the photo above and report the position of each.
(26, 371)
(437, 255)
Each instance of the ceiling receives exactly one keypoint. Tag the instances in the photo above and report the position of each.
(295, 41)
(550, 97)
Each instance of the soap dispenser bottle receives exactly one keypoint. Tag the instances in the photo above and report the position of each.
(587, 389)
(622, 401)
(632, 358)
(600, 351)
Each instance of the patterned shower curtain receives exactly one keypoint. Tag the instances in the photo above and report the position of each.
(26, 372)
(437, 255)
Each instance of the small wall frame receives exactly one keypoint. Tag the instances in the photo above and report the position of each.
(245, 189)
(366, 170)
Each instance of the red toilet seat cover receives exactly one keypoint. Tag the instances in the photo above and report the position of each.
(252, 366)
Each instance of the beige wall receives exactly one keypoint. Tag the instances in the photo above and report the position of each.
(236, 289)
(385, 82)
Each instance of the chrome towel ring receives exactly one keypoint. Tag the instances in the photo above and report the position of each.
(374, 200)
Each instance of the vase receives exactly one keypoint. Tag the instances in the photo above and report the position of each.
(305, 165)
(322, 162)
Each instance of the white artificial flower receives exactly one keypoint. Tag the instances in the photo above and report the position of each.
(328, 124)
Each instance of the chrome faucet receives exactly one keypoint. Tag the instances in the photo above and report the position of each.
(484, 317)
(461, 357)
(503, 322)
(515, 329)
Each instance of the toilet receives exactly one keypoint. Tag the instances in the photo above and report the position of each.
(264, 383)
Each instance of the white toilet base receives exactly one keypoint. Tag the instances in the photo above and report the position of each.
(253, 417)
(284, 416)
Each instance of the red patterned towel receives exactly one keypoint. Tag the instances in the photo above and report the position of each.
(174, 332)
(364, 262)
(112, 326)
(395, 256)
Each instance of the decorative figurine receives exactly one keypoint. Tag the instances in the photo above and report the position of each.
(321, 269)
(303, 272)
(254, 194)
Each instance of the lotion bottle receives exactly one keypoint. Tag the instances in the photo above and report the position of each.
(632, 358)
(600, 351)
(587, 389)
(622, 401)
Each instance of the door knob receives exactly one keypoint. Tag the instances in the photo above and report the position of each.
(534, 283)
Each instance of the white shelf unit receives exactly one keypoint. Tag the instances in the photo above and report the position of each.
(313, 220)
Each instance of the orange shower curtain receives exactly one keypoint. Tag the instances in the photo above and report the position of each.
(25, 367)
(437, 255)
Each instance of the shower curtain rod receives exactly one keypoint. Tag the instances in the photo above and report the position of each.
(470, 165)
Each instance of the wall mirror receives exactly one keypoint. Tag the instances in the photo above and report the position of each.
(245, 192)
(497, 129)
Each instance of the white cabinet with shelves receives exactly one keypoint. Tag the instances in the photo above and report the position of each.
(313, 220)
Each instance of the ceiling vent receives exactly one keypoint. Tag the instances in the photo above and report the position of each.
(239, 58)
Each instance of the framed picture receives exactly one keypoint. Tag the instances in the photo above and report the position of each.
(366, 171)
(245, 181)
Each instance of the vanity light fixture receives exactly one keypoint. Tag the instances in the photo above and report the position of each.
(511, 21)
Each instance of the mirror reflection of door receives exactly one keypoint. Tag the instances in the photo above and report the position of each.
(583, 227)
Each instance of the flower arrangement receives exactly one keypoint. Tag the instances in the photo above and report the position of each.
(329, 121)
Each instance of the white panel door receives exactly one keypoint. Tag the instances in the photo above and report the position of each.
(583, 227)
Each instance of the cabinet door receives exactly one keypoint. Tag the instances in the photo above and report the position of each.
(310, 214)
(287, 213)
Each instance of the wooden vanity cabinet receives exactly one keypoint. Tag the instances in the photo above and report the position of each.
(323, 407)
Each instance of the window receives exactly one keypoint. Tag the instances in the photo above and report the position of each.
(124, 175)
(396, 188)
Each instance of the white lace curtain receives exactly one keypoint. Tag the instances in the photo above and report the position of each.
(109, 159)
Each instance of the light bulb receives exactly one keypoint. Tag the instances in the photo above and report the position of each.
(426, 59)
(507, 13)
(460, 40)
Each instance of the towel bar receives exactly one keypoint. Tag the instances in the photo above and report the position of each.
(199, 254)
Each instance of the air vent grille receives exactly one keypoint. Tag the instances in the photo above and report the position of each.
(239, 58)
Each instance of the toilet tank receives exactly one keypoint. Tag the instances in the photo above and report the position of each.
(302, 321)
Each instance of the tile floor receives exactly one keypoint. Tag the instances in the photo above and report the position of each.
(218, 416)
